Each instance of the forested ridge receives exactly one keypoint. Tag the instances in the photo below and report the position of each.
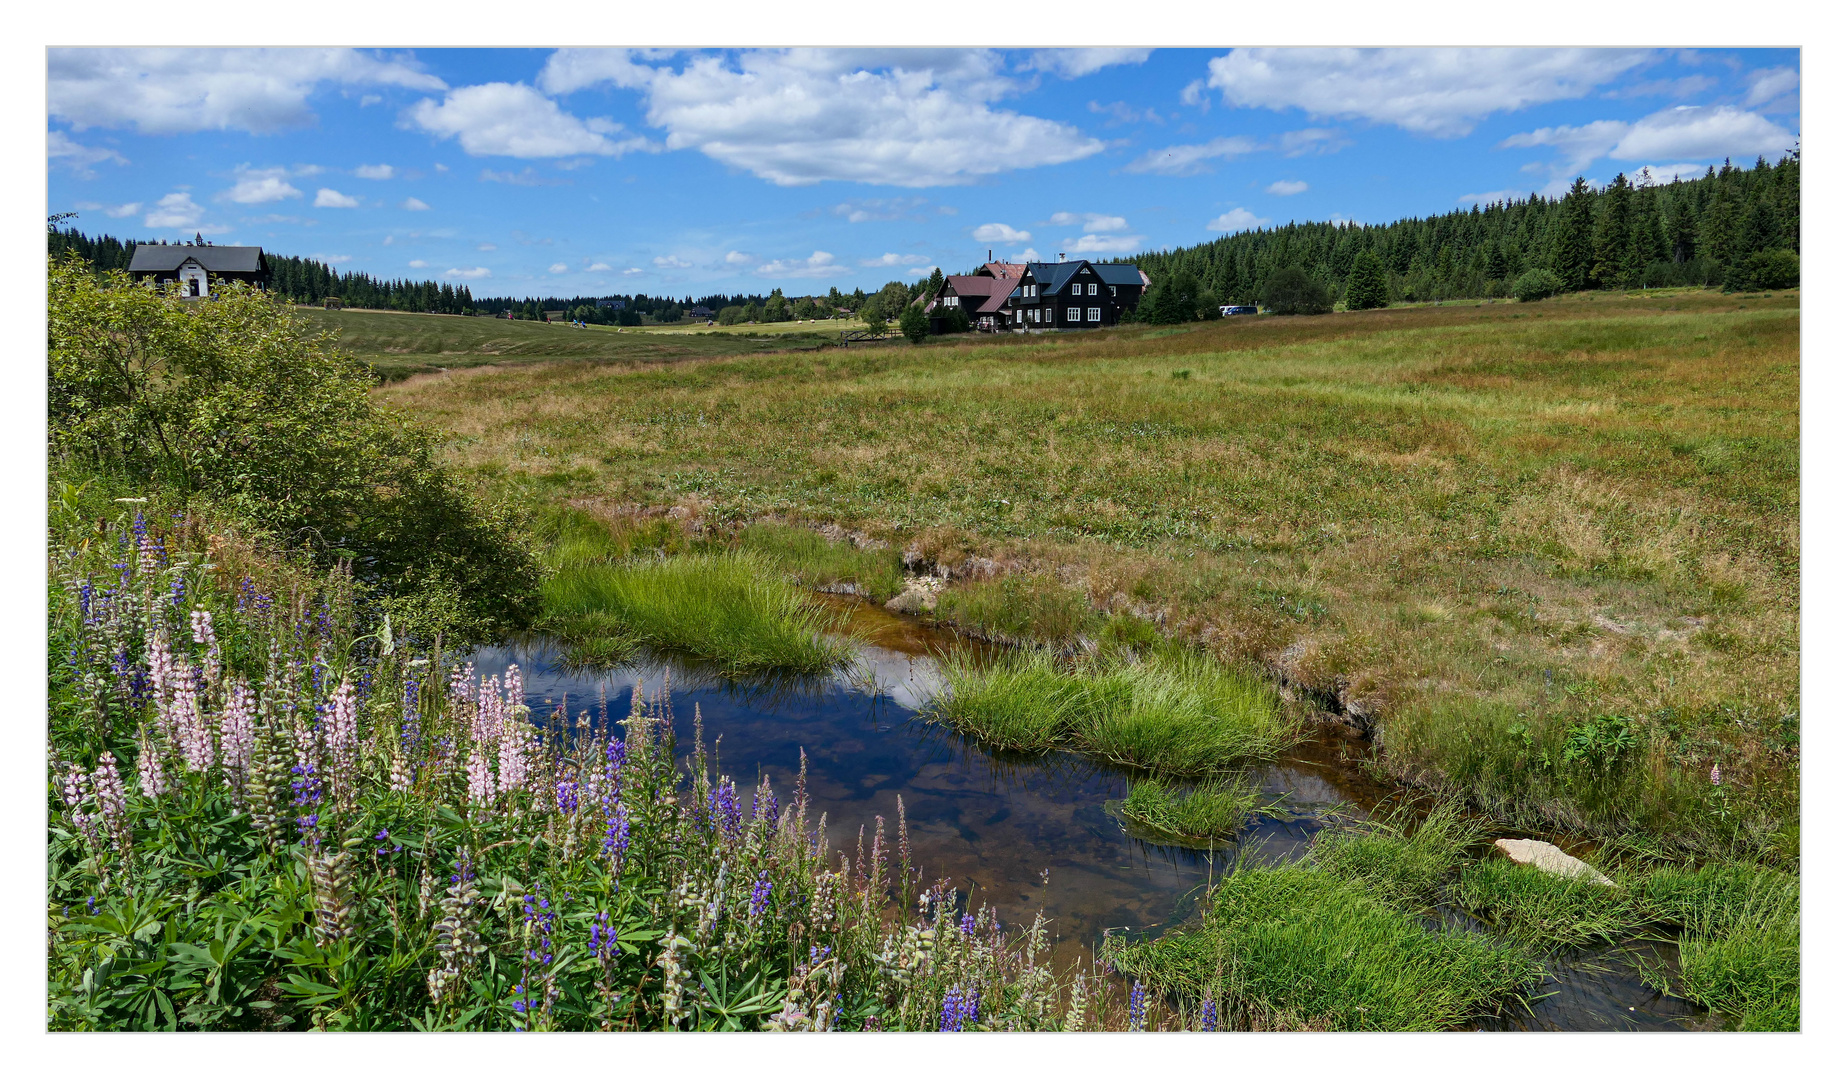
(1634, 232)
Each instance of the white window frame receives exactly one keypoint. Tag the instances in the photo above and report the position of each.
(1094, 315)
(1077, 288)
(1113, 290)
(1071, 314)
(1093, 289)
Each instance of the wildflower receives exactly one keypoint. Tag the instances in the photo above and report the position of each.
(343, 744)
(1138, 1006)
(480, 778)
(331, 876)
(760, 894)
(1209, 1016)
(1714, 776)
(307, 791)
(76, 790)
(236, 734)
(567, 797)
(187, 724)
(147, 765)
(968, 925)
(111, 800)
(458, 943)
(616, 841)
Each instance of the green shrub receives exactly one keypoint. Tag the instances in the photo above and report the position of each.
(234, 401)
(1780, 269)
(1366, 285)
(1537, 284)
(914, 324)
(1290, 291)
(1539, 908)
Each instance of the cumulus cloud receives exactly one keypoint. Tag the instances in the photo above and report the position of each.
(1770, 84)
(597, 268)
(1685, 133)
(671, 262)
(1072, 63)
(1311, 141)
(997, 233)
(414, 204)
(1027, 255)
(175, 211)
(1097, 223)
(514, 120)
(1235, 220)
(470, 274)
(328, 197)
(1288, 187)
(1098, 242)
(118, 211)
(375, 172)
(905, 117)
(820, 264)
(1190, 159)
(557, 268)
(632, 271)
(1122, 112)
(921, 271)
(894, 259)
(418, 263)
(169, 91)
(260, 186)
(739, 258)
(61, 149)
(1437, 92)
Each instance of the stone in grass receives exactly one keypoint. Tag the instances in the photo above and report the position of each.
(914, 600)
(1548, 859)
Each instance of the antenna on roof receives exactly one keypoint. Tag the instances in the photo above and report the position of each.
(991, 254)
(1061, 256)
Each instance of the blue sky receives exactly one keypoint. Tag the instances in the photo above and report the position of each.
(525, 172)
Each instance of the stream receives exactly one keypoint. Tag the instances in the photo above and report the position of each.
(1025, 835)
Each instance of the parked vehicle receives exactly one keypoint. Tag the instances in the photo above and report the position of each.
(1237, 309)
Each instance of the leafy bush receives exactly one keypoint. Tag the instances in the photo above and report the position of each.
(1176, 298)
(1289, 291)
(233, 400)
(1537, 284)
(914, 324)
(1779, 269)
(957, 321)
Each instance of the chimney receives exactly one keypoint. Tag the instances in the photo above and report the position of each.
(991, 254)
(1061, 256)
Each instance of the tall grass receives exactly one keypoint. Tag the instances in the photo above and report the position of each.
(811, 560)
(1295, 946)
(729, 608)
(1194, 816)
(1401, 863)
(1741, 948)
(1541, 909)
(1171, 715)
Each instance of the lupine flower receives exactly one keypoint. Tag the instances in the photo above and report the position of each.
(616, 841)
(968, 925)
(1138, 1006)
(343, 744)
(567, 797)
(724, 811)
(147, 765)
(951, 1017)
(307, 790)
(236, 727)
(186, 724)
(480, 778)
(76, 790)
(111, 800)
(1714, 776)
(602, 938)
(760, 894)
(1209, 1016)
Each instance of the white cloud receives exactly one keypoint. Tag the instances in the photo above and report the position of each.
(175, 211)
(1122, 112)
(419, 263)
(119, 211)
(905, 117)
(1187, 160)
(1770, 84)
(375, 172)
(168, 91)
(260, 186)
(1097, 242)
(738, 258)
(914, 208)
(671, 262)
(1028, 255)
(486, 247)
(328, 197)
(997, 233)
(632, 271)
(1342, 219)
(471, 274)
(820, 264)
(515, 120)
(1235, 220)
(332, 260)
(597, 268)
(414, 204)
(1438, 92)
(894, 259)
(1311, 141)
(1097, 223)
(527, 177)
(1071, 63)
(557, 268)
(1651, 175)
(1684, 132)
(61, 149)
(1288, 187)
(921, 271)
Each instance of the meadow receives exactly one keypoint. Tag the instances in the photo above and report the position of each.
(1545, 555)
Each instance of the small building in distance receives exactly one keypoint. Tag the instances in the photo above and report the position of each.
(1077, 295)
(194, 266)
(698, 311)
(613, 305)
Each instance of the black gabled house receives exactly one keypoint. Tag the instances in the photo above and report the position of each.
(1036, 296)
(193, 267)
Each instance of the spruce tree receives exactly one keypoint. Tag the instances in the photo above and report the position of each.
(1572, 253)
(1610, 267)
(1367, 283)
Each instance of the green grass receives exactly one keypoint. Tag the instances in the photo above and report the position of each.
(1740, 942)
(1540, 909)
(1298, 947)
(729, 608)
(812, 561)
(1171, 715)
(397, 344)
(1480, 527)
(1194, 816)
(1403, 864)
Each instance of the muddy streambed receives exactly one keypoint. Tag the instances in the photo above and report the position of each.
(1025, 835)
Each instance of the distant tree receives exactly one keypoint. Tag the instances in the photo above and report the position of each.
(753, 312)
(1780, 269)
(1367, 283)
(731, 316)
(776, 308)
(1290, 291)
(957, 321)
(1538, 284)
(935, 284)
(805, 308)
(1572, 240)
(913, 323)
(1610, 260)
(873, 312)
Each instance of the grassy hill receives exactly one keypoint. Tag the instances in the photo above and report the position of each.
(1547, 552)
(398, 345)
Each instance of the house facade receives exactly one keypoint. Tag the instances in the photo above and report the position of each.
(1037, 296)
(194, 267)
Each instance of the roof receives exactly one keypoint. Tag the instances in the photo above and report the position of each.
(977, 285)
(1053, 276)
(1120, 273)
(1002, 269)
(223, 260)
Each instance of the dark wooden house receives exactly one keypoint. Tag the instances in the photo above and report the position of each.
(194, 267)
(1032, 297)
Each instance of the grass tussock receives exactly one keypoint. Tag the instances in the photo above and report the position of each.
(1408, 867)
(1171, 715)
(811, 560)
(1741, 947)
(1540, 909)
(1318, 951)
(1194, 816)
(729, 608)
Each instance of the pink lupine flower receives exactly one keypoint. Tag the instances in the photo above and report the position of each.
(513, 763)
(160, 663)
(1714, 776)
(147, 766)
(343, 743)
(187, 724)
(203, 634)
(111, 800)
(236, 731)
(480, 778)
(76, 790)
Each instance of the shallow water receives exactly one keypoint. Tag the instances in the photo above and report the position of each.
(1025, 835)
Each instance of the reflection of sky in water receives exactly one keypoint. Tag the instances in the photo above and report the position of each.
(994, 824)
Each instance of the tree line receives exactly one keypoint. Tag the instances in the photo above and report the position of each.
(1734, 228)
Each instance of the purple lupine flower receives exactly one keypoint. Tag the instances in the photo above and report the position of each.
(307, 798)
(567, 797)
(760, 894)
(1714, 776)
(723, 810)
(951, 1018)
(615, 755)
(1138, 1006)
(602, 938)
(968, 925)
(1209, 1016)
(616, 841)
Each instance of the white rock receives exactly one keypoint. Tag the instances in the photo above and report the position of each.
(1549, 859)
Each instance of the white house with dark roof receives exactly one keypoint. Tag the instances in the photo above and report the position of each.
(193, 267)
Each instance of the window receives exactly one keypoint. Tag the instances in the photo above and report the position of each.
(1093, 288)
(1094, 314)
(1113, 290)
(1071, 314)
(1077, 288)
